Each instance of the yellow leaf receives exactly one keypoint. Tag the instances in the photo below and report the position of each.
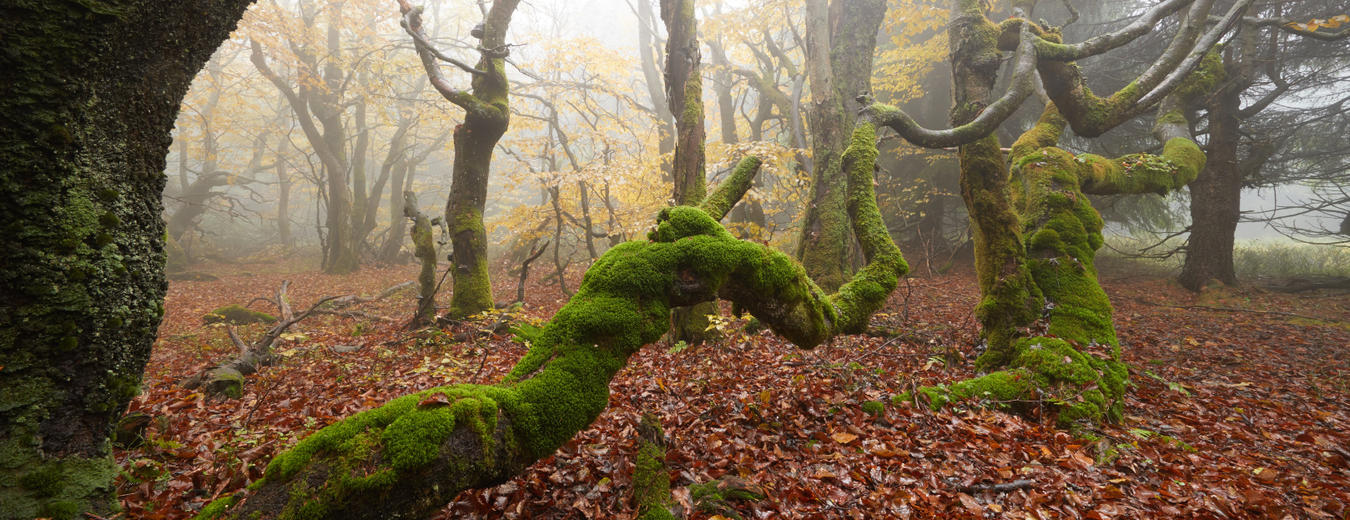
(844, 437)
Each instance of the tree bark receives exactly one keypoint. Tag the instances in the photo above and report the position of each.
(1216, 195)
(840, 42)
(425, 251)
(328, 138)
(684, 94)
(89, 100)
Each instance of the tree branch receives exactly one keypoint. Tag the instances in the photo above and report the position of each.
(1022, 86)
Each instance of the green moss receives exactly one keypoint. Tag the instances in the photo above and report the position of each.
(53, 488)
(717, 204)
(1046, 371)
(1205, 79)
(651, 480)
(866, 292)
(562, 384)
(237, 315)
(874, 408)
(226, 381)
(472, 284)
(717, 496)
(216, 508)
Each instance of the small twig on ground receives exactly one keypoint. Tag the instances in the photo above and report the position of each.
(481, 361)
(997, 488)
(275, 381)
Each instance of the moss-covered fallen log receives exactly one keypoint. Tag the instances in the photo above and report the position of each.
(413, 455)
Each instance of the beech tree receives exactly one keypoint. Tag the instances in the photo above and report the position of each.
(840, 42)
(1045, 320)
(486, 116)
(89, 98)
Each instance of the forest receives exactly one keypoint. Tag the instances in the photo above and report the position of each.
(674, 259)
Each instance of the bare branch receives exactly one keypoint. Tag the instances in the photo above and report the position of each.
(1022, 86)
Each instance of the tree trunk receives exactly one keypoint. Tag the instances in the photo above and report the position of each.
(684, 93)
(89, 100)
(1009, 299)
(1216, 196)
(283, 200)
(840, 41)
(425, 246)
(312, 102)
(486, 116)
(393, 242)
(326, 104)
(474, 142)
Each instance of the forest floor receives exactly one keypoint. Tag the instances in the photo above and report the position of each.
(1240, 412)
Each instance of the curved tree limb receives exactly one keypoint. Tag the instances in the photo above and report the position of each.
(1022, 86)
(1050, 50)
(719, 203)
(412, 24)
(412, 455)
(1091, 116)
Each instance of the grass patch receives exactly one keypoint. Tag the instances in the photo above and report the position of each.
(1252, 259)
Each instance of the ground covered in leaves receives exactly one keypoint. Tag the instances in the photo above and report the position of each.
(1238, 408)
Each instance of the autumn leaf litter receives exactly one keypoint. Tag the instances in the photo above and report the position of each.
(1231, 414)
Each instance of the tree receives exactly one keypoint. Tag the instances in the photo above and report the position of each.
(88, 97)
(684, 95)
(410, 456)
(840, 42)
(649, 54)
(486, 116)
(322, 82)
(1269, 68)
(1046, 321)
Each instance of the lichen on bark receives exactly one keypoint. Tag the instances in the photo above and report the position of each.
(88, 100)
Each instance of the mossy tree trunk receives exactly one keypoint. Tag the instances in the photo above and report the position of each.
(486, 117)
(1009, 300)
(1046, 321)
(1072, 358)
(409, 457)
(840, 42)
(89, 99)
(684, 95)
(425, 250)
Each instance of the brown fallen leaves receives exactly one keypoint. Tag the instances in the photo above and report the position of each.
(1231, 414)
